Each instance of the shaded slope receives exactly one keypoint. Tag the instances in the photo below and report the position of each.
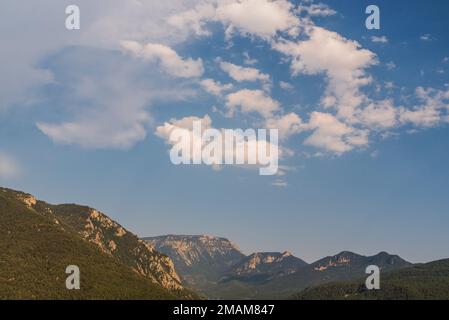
(343, 266)
(428, 281)
(37, 245)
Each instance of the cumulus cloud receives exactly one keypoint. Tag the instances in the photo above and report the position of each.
(169, 60)
(285, 85)
(425, 116)
(262, 18)
(240, 74)
(241, 144)
(110, 109)
(194, 19)
(249, 101)
(343, 61)
(113, 114)
(287, 125)
(432, 110)
(381, 114)
(332, 135)
(248, 60)
(215, 87)
(164, 131)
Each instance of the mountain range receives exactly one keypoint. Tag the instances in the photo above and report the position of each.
(428, 281)
(39, 240)
(217, 268)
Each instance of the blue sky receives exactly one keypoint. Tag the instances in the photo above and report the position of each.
(363, 114)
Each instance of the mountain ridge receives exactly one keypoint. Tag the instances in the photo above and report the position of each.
(134, 269)
(263, 274)
(418, 282)
(201, 259)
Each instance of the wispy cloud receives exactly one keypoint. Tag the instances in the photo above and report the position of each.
(9, 167)
(426, 37)
(379, 39)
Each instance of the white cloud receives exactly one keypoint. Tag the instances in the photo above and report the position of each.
(263, 18)
(194, 19)
(286, 86)
(423, 117)
(248, 60)
(114, 114)
(106, 99)
(111, 109)
(389, 85)
(343, 61)
(241, 74)
(170, 61)
(9, 167)
(165, 130)
(287, 125)
(317, 9)
(391, 65)
(252, 101)
(118, 122)
(22, 47)
(332, 135)
(426, 37)
(379, 39)
(37, 30)
(435, 103)
(380, 114)
(215, 87)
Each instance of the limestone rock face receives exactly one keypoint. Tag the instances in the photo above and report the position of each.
(110, 237)
(114, 240)
(200, 260)
(269, 263)
(205, 252)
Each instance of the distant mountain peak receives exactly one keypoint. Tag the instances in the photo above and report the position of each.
(206, 253)
(269, 263)
(351, 259)
(287, 254)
